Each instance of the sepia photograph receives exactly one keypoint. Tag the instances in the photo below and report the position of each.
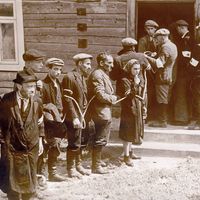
(99, 99)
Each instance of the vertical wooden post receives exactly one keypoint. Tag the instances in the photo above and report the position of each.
(131, 18)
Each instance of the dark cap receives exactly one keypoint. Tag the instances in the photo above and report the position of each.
(181, 22)
(151, 23)
(24, 77)
(33, 54)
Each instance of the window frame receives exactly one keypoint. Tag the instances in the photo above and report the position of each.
(17, 20)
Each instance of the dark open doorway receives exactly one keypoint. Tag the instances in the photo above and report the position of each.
(164, 13)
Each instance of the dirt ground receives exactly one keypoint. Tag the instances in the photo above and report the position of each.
(151, 178)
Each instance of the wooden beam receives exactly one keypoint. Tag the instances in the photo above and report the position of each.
(131, 19)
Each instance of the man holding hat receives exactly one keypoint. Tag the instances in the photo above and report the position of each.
(22, 128)
(182, 100)
(34, 63)
(52, 96)
(163, 66)
(147, 44)
(75, 82)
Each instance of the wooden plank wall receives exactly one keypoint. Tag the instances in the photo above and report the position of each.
(51, 26)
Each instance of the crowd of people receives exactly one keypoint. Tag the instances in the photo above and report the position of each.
(37, 114)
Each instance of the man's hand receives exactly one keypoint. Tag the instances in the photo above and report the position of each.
(39, 84)
(77, 123)
(41, 148)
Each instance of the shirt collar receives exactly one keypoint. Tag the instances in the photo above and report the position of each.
(184, 34)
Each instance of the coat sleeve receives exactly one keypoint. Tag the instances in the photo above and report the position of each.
(100, 91)
(69, 108)
(142, 45)
(40, 117)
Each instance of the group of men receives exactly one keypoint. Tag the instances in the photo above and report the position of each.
(37, 114)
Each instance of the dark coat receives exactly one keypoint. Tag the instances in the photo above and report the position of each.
(53, 128)
(145, 44)
(74, 82)
(182, 102)
(131, 122)
(21, 145)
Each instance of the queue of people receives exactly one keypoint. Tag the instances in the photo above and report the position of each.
(37, 114)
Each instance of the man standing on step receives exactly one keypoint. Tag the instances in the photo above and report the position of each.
(100, 87)
(75, 81)
(163, 66)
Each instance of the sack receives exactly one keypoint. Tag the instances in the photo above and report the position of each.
(55, 129)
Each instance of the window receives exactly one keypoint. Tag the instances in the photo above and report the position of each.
(11, 35)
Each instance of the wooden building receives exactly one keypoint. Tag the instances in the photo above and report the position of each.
(62, 28)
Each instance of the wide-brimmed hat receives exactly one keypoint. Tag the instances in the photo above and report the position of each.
(24, 77)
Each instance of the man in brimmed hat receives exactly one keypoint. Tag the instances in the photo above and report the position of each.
(75, 81)
(182, 100)
(147, 44)
(22, 128)
(163, 67)
(34, 63)
(52, 96)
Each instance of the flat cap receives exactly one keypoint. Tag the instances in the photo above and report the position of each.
(24, 77)
(33, 54)
(82, 56)
(162, 31)
(54, 61)
(128, 42)
(151, 23)
(181, 22)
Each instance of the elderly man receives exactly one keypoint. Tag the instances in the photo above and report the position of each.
(75, 83)
(182, 100)
(22, 129)
(100, 87)
(147, 44)
(52, 95)
(163, 66)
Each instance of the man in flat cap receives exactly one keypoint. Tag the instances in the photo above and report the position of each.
(22, 128)
(163, 67)
(34, 63)
(147, 44)
(182, 100)
(52, 96)
(100, 87)
(75, 82)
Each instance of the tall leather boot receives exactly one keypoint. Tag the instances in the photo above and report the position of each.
(79, 166)
(71, 169)
(52, 169)
(96, 161)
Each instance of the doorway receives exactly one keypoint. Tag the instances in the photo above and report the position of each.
(165, 13)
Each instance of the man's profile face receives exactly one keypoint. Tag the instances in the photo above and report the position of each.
(36, 65)
(107, 64)
(28, 90)
(85, 66)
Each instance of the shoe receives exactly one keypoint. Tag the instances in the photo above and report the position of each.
(103, 164)
(158, 124)
(128, 161)
(99, 170)
(82, 170)
(56, 178)
(134, 156)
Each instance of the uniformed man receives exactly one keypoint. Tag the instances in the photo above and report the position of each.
(147, 44)
(163, 66)
(182, 104)
(52, 96)
(22, 129)
(100, 87)
(75, 81)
